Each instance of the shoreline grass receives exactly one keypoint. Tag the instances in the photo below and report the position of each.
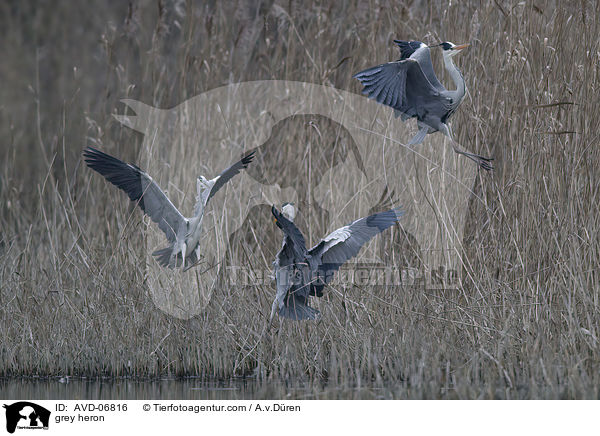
(73, 294)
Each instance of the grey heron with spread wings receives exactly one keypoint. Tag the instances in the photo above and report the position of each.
(410, 86)
(183, 234)
(301, 273)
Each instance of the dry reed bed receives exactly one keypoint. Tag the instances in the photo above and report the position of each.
(73, 299)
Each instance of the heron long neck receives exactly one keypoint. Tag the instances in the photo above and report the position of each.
(461, 89)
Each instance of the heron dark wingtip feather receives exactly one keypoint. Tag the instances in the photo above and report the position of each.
(248, 158)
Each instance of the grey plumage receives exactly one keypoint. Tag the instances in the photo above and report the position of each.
(183, 234)
(412, 89)
(301, 273)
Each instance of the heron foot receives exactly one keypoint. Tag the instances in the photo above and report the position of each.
(483, 162)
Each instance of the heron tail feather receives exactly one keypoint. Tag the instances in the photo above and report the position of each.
(420, 136)
(163, 256)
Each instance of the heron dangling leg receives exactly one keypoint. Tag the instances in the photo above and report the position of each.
(183, 250)
(195, 259)
(483, 162)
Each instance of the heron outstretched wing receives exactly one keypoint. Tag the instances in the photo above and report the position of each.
(402, 85)
(386, 83)
(292, 274)
(292, 233)
(226, 175)
(344, 243)
(140, 187)
(423, 56)
(407, 48)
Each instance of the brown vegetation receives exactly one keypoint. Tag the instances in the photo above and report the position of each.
(73, 298)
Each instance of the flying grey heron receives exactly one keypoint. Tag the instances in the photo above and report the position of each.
(410, 86)
(300, 273)
(182, 233)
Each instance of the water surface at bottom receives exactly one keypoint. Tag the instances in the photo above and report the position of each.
(62, 388)
(176, 389)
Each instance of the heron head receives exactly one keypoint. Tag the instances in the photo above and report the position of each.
(276, 215)
(451, 49)
(289, 211)
(201, 184)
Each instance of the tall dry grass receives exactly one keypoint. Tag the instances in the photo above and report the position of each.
(73, 298)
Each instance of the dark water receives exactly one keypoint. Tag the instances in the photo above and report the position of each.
(174, 389)
(57, 388)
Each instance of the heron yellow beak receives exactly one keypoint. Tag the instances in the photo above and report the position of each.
(460, 47)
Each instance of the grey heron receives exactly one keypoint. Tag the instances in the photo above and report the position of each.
(183, 234)
(300, 273)
(410, 86)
